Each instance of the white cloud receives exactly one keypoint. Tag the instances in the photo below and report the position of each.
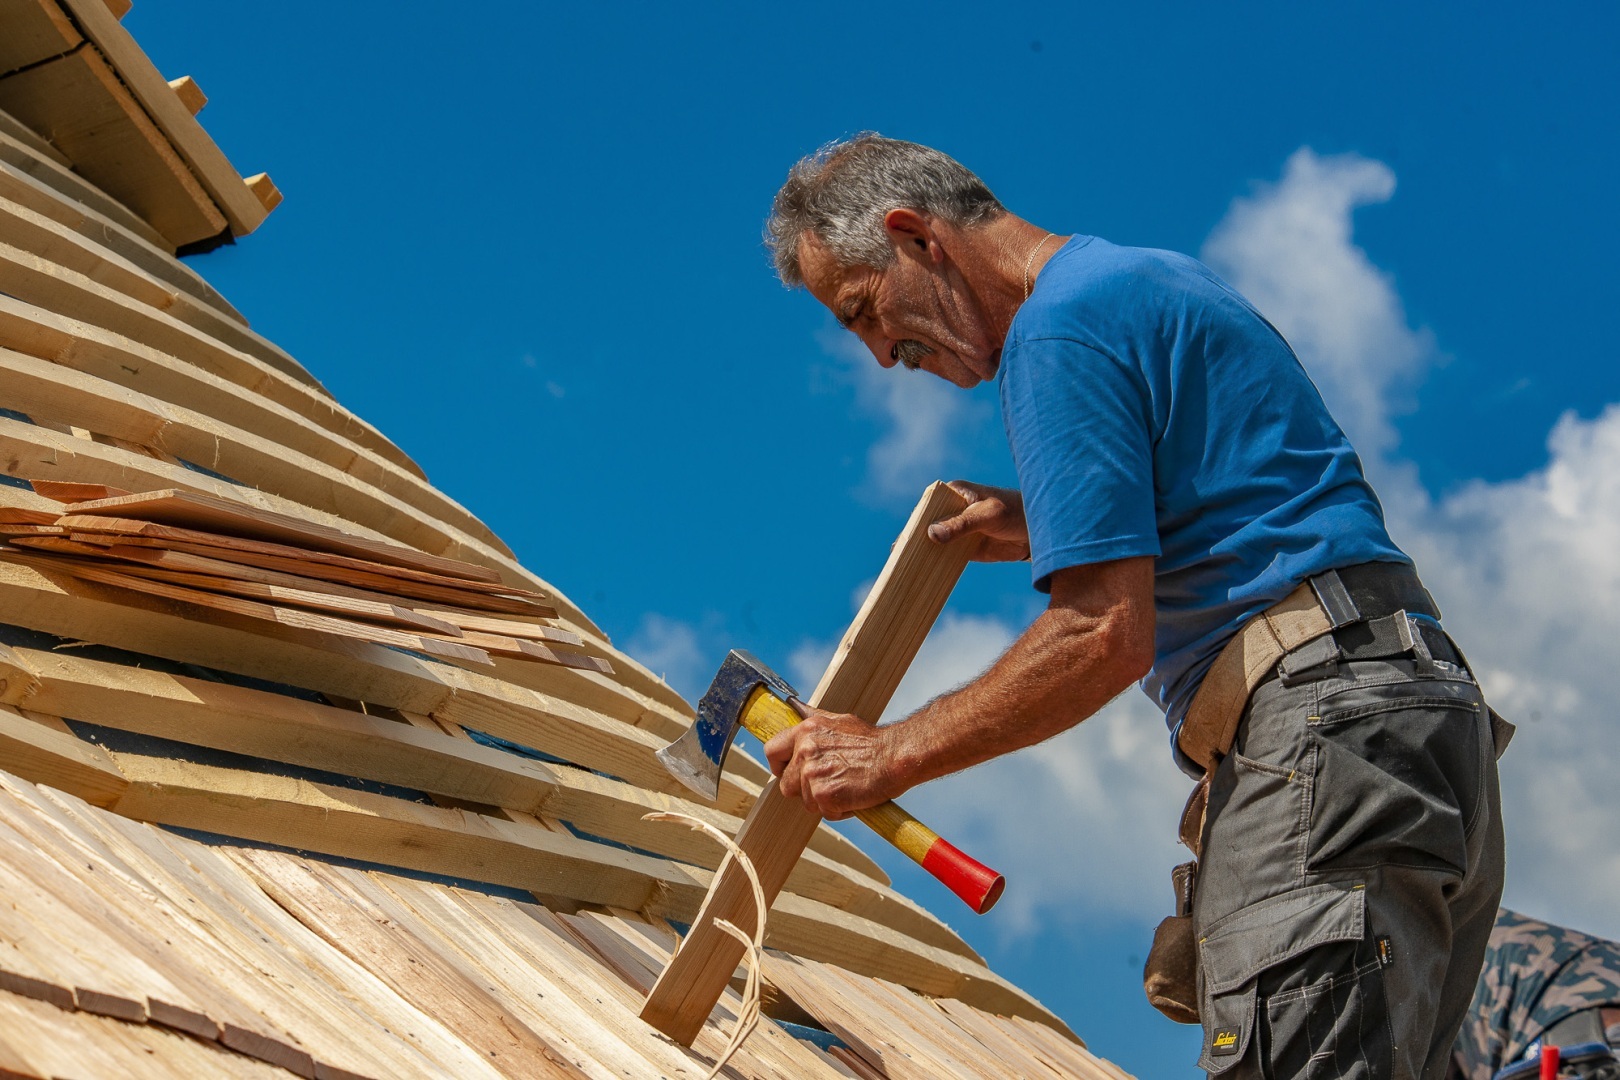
(554, 388)
(672, 649)
(807, 662)
(1288, 249)
(920, 416)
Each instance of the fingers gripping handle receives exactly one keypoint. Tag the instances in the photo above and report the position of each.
(979, 887)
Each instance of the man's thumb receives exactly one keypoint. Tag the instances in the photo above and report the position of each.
(972, 518)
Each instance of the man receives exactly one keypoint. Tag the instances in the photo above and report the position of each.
(1180, 479)
(1542, 985)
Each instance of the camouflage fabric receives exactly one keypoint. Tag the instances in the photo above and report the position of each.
(1534, 976)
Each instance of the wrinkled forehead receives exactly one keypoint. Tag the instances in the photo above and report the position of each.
(823, 276)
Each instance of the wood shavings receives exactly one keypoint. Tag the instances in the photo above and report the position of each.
(754, 948)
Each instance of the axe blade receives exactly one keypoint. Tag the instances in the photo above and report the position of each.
(685, 761)
(698, 757)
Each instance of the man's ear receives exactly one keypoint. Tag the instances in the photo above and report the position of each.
(914, 234)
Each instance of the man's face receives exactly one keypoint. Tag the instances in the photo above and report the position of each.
(917, 311)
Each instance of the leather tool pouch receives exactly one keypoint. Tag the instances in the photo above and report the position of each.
(1170, 977)
(1191, 831)
(1501, 732)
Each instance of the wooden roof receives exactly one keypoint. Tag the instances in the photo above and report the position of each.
(75, 77)
(372, 811)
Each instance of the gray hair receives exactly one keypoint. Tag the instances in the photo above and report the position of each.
(843, 190)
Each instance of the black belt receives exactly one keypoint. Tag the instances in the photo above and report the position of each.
(1380, 611)
(1380, 588)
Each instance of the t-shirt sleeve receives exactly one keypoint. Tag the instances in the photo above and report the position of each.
(1080, 425)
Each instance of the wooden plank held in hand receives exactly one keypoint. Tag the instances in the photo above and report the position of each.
(866, 669)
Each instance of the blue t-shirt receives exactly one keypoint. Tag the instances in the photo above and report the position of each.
(1152, 411)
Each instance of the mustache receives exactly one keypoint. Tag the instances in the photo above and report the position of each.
(910, 353)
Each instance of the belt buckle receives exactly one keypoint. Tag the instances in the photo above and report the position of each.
(1411, 635)
(1316, 659)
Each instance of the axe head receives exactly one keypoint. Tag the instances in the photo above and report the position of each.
(698, 757)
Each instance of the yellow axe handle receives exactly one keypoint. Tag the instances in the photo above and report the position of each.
(767, 716)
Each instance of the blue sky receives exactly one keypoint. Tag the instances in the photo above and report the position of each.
(523, 240)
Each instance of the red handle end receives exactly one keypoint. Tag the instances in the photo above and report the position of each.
(978, 885)
(1550, 1060)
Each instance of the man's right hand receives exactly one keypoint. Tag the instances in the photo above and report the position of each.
(995, 513)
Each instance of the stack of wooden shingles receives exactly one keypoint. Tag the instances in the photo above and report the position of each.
(205, 551)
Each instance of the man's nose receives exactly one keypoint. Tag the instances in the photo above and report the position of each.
(883, 350)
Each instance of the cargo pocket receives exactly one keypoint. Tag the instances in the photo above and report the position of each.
(1235, 952)
(1400, 777)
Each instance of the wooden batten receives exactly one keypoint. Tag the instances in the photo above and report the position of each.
(74, 75)
(197, 510)
(30, 341)
(59, 603)
(379, 829)
(269, 726)
(78, 102)
(35, 31)
(177, 125)
(637, 698)
(100, 259)
(19, 187)
(190, 94)
(45, 284)
(21, 148)
(50, 754)
(264, 189)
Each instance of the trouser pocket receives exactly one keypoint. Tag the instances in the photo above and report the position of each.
(1401, 776)
(1293, 988)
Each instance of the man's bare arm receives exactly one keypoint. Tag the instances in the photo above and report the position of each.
(1094, 640)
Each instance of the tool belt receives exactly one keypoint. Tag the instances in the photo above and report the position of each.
(1371, 610)
(1363, 612)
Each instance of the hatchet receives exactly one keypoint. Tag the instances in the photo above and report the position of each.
(747, 694)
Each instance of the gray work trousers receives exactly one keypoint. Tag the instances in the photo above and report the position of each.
(1352, 864)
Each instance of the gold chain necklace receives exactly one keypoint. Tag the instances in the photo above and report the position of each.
(1029, 262)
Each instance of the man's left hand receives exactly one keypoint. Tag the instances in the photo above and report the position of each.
(837, 764)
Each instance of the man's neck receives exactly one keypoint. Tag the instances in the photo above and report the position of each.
(1000, 262)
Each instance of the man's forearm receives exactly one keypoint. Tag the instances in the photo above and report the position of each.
(1065, 667)
(1094, 640)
